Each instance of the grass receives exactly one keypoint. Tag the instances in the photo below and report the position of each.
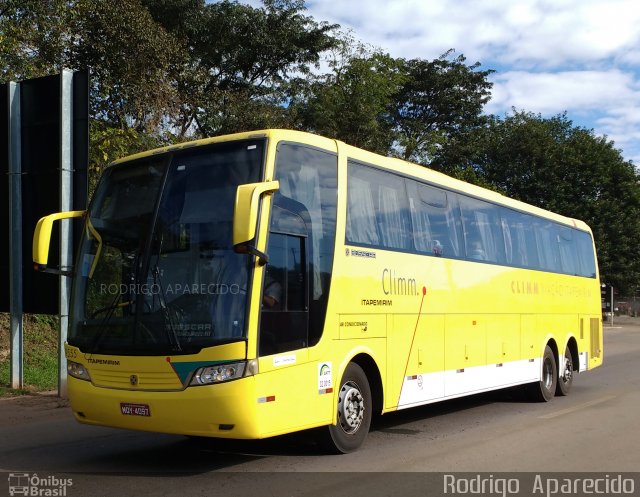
(40, 354)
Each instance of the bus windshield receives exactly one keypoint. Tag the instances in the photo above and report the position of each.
(157, 273)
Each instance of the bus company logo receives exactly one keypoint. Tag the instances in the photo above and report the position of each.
(367, 254)
(394, 283)
(325, 384)
(33, 485)
(525, 287)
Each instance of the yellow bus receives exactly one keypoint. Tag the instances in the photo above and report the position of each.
(256, 284)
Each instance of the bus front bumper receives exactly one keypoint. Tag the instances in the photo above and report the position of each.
(225, 410)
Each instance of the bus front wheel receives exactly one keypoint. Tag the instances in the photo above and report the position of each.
(354, 412)
(545, 389)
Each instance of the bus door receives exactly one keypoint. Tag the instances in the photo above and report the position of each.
(284, 320)
(287, 382)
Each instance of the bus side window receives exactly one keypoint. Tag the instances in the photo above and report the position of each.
(435, 225)
(378, 210)
(586, 256)
(483, 236)
(567, 248)
(547, 245)
(519, 243)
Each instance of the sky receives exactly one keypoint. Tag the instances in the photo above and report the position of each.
(550, 56)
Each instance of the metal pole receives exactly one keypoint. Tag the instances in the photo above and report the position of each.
(15, 237)
(66, 201)
(612, 307)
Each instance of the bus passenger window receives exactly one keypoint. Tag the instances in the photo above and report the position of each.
(378, 210)
(435, 225)
(483, 235)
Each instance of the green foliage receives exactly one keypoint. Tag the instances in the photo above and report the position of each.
(40, 353)
(130, 57)
(353, 101)
(241, 60)
(128, 54)
(31, 37)
(439, 100)
(406, 108)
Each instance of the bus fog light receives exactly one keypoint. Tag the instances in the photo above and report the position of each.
(218, 374)
(77, 370)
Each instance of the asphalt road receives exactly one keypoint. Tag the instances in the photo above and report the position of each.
(594, 429)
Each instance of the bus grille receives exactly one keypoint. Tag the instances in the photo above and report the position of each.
(142, 381)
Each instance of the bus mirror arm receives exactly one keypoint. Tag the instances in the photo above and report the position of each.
(248, 248)
(245, 217)
(42, 241)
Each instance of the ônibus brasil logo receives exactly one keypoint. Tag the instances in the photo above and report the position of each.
(34, 485)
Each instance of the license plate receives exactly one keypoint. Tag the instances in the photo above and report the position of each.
(135, 409)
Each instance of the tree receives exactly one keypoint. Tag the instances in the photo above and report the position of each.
(406, 108)
(241, 60)
(351, 102)
(568, 169)
(31, 38)
(439, 100)
(127, 53)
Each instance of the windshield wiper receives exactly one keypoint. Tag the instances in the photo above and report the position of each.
(112, 307)
(171, 331)
(102, 328)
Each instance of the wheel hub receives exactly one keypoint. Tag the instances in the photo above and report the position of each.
(351, 408)
(568, 370)
(547, 376)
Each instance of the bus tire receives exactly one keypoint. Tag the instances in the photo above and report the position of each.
(354, 413)
(545, 389)
(565, 380)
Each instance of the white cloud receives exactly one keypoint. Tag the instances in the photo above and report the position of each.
(554, 92)
(547, 33)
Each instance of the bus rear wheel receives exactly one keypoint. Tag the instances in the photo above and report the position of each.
(545, 389)
(354, 413)
(565, 379)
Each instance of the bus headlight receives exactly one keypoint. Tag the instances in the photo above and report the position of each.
(218, 374)
(77, 370)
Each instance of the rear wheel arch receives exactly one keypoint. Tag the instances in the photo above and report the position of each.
(572, 345)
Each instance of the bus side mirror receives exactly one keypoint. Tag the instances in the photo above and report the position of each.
(245, 217)
(42, 240)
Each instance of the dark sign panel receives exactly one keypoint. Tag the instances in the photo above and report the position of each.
(4, 197)
(40, 137)
(40, 134)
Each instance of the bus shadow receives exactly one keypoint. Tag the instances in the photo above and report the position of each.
(182, 456)
(393, 423)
